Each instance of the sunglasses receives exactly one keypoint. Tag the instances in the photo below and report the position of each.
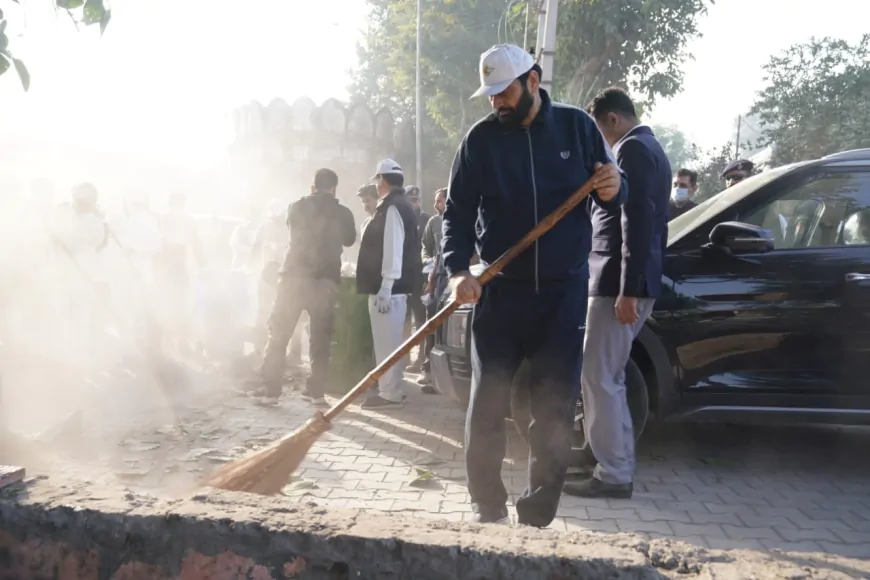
(735, 178)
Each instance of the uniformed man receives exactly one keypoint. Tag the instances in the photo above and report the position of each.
(737, 171)
(513, 168)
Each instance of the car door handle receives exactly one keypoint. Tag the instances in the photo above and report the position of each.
(857, 277)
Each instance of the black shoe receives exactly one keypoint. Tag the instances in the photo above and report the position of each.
(595, 488)
(378, 402)
(483, 516)
(313, 398)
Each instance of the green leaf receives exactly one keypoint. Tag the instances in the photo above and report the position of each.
(4, 63)
(424, 479)
(423, 473)
(93, 12)
(104, 21)
(69, 4)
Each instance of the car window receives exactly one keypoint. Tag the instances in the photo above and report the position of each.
(689, 221)
(814, 213)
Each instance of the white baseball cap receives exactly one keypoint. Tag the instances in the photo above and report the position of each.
(388, 167)
(500, 66)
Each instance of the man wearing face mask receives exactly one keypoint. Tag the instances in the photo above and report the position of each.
(512, 169)
(685, 188)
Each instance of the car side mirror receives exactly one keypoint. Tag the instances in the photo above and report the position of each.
(740, 238)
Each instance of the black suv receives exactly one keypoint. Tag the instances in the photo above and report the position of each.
(765, 312)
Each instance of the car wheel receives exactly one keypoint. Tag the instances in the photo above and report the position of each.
(638, 405)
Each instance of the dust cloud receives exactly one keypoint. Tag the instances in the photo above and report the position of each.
(129, 309)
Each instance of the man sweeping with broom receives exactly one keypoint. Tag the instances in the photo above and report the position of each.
(513, 167)
(523, 171)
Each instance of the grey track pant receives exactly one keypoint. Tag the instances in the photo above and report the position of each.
(607, 420)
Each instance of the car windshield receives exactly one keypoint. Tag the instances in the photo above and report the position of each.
(687, 222)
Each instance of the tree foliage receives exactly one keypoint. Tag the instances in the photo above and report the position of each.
(81, 12)
(710, 180)
(638, 44)
(641, 44)
(680, 151)
(817, 99)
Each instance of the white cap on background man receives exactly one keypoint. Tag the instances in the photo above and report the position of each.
(500, 66)
(388, 167)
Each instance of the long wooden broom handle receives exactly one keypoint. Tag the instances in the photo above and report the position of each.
(433, 323)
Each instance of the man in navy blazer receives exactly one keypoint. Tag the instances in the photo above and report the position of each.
(625, 265)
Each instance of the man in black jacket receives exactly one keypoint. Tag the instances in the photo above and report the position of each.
(388, 271)
(626, 277)
(309, 279)
(512, 169)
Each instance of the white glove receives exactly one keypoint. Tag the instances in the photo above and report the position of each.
(427, 300)
(383, 299)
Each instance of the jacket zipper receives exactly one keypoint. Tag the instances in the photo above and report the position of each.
(535, 194)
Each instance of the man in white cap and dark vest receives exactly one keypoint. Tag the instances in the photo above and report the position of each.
(388, 270)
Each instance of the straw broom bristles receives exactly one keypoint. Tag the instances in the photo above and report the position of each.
(267, 471)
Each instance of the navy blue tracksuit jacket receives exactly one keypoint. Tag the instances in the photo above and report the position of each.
(628, 244)
(504, 181)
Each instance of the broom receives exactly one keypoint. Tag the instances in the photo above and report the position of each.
(267, 471)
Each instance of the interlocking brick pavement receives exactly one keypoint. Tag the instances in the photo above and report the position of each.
(793, 489)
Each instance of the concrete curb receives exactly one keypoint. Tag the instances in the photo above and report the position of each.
(50, 530)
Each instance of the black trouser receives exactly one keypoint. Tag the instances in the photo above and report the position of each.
(513, 322)
(431, 310)
(317, 297)
(417, 309)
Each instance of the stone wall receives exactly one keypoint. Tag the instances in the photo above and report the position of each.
(78, 531)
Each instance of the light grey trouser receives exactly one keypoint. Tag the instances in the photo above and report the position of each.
(607, 420)
(388, 334)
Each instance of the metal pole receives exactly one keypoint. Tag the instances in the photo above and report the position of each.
(737, 144)
(526, 33)
(542, 25)
(548, 52)
(418, 103)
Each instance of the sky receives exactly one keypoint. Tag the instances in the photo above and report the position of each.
(165, 75)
